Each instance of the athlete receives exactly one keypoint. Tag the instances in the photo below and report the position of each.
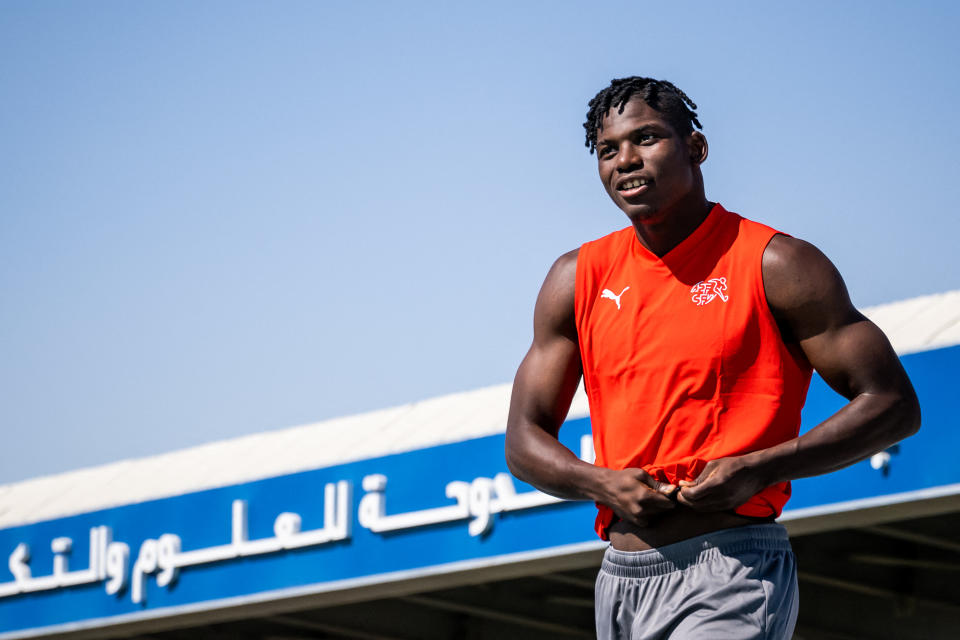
(695, 332)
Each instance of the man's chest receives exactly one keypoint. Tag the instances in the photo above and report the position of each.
(639, 321)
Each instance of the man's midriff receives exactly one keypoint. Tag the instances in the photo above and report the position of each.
(674, 526)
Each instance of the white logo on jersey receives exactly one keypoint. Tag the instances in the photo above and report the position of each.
(610, 295)
(705, 291)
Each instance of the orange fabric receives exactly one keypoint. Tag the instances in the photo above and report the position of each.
(687, 364)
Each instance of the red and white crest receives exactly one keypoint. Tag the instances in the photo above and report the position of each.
(706, 290)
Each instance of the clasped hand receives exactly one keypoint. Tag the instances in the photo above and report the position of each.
(638, 497)
(724, 484)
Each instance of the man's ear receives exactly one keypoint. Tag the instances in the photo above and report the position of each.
(697, 144)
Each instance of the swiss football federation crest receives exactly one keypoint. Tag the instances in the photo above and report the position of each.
(705, 291)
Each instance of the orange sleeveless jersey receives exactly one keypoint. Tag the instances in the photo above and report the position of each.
(683, 362)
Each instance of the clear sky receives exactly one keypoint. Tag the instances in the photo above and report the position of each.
(220, 218)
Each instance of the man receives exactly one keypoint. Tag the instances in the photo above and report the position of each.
(695, 331)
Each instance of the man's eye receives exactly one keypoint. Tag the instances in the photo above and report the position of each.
(646, 138)
(606, 152)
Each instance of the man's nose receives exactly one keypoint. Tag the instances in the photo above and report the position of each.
(628, 158)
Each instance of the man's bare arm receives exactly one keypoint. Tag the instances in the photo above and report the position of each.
(809, 299)
(542, 392)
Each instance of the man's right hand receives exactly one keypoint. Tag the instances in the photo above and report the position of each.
(637, 497)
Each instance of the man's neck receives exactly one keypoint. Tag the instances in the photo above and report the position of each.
(662, 236)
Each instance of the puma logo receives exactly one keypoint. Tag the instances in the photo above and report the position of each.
(610, 295)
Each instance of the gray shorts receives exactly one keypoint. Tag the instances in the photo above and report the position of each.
(734, 584)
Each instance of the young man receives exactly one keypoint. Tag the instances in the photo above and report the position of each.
(695, 331)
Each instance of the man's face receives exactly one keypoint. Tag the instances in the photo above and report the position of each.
(645, 165)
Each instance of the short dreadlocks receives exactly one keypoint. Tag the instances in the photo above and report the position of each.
(674, 104)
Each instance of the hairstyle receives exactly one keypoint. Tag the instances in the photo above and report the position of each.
(660, 95)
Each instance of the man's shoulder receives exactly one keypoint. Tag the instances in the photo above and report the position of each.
(554, 313)
(562, 276)
(800, 281)
(793, 260)
(786, 259)
(566, 265)
(564, 268)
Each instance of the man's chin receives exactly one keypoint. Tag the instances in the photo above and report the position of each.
(644, 215)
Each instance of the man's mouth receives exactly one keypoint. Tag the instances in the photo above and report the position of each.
(633, 186)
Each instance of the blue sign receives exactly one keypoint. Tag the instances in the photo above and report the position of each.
(432, 509)
(924, 461)
(330, 526)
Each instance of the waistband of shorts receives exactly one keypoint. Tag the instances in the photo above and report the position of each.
(686, 553)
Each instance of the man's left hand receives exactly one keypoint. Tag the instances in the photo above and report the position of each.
(724, 484)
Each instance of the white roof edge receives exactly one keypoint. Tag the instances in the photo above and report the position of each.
(917, 324)
(920, 324)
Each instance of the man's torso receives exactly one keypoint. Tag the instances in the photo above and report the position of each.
(683, 361)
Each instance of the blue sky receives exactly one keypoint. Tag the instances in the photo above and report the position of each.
(220, 218)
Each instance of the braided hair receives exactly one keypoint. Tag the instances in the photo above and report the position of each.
(660, 95)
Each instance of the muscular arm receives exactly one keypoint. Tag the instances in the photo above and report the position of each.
(542, 392)
(810, 302)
